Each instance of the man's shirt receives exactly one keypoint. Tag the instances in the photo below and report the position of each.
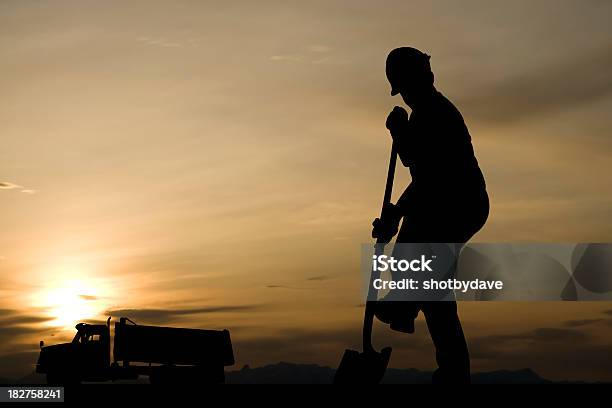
(437, 148)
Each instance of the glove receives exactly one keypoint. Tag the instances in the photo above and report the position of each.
(387, 226)
(397, 122)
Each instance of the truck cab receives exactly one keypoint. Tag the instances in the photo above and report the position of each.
(85, 358)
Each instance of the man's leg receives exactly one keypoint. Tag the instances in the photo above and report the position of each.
(442, 320)
(452, 353)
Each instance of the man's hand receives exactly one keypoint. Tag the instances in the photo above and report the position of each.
(386, 227)
(397, 121)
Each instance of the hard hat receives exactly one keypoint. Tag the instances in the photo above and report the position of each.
(406, 61)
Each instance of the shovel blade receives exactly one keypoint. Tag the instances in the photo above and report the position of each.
(362, 368)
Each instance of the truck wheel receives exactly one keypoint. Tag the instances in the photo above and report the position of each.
(210, 375)
(160, 375)
(53, 379)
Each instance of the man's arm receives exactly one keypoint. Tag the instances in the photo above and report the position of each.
(403, 150)
(387, 226)
(407, 199)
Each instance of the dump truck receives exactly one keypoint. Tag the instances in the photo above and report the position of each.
(165, 354)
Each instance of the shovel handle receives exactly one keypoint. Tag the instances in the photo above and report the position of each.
(379, 248)
(390, 177)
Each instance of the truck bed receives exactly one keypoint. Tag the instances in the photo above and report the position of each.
(170, 345)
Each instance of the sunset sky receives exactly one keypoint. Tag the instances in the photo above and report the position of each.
(218, 164)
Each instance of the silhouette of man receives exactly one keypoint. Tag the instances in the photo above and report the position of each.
(446, 201)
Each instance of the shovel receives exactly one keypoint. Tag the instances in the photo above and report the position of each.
(369, 366)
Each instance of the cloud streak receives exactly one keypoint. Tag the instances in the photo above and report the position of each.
(5, 185)
(318, 278)
(315, 54)
(89, 297)
(555, 88)
(17, 333)
(12, 318)
(285, 287)
(159, 42)
(168, 315)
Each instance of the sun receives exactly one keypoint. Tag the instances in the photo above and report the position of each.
(71, 302)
